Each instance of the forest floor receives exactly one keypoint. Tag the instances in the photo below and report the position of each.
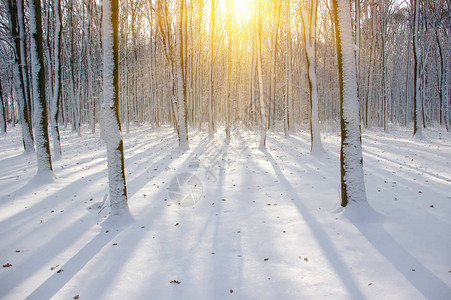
(252, 224)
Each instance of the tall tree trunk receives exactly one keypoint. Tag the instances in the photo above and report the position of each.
(384, 80)
(57, 84)
(211, 129)
(289, 114)
(181, 83)
(2, 111)
(351, 161)
(272, 70)
(229, 65)
(24, 113)
(407, 112)
(23, 58)
(112, 125)
(442, 82)
(309, 22)
(263, 111)
(417, 117)
(369, 98)
(38, 77)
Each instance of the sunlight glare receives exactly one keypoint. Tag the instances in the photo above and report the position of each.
(242, 10)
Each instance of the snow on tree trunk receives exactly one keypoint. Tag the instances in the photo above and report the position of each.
(289, 113)
(112, 128)
(263, 110)
(25, 118)
(57, 84)
(229, 65)
(417, 117)
(181, 88)
(2, 111)
(211, 85)
(23, 58)
(351, 161)
(39, 98)
(309, 22)
(272, 69)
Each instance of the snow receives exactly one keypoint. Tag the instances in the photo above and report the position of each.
(281, 204)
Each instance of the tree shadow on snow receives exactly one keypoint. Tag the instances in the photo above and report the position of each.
(426, 282)
(332, 254)
(115, 225)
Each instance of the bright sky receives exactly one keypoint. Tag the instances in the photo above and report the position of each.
(242, 9)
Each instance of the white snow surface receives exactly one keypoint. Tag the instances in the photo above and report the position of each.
(268, 225)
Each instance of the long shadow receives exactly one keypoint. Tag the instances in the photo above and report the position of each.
(54, 283)
(46, 253)
(14, 163)
(405, 165)
(135, 184)
(74, 265)
(426, 282)
(23, 216)
(157, 167)
(331, 252)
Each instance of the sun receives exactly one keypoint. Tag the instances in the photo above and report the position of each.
(241, 10)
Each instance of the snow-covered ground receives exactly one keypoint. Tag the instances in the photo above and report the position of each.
(265, 225)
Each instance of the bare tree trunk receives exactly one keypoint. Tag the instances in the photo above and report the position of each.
(351, 161)
(309, 22)
(417, 118)
(112, 126)
(229, 54)
(57, 83)
(272, 70)
(211, 129)
(2, 111)
(289, 111)
(23, 59)
(263, 111)
(407, 112)
(40, 104)
(181, 83)
(442, 82)
(24, 113)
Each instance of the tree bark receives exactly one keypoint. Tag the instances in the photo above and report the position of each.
(181, 83)
(38, 77)
(263, 112)
(211, 129)
(24, 113)
(351, 161)
(272, 70)
(229, 65)
(417, 117)
(289, 110)
(2, 111)
(57, 84)
(309, 22)
(112, 126)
